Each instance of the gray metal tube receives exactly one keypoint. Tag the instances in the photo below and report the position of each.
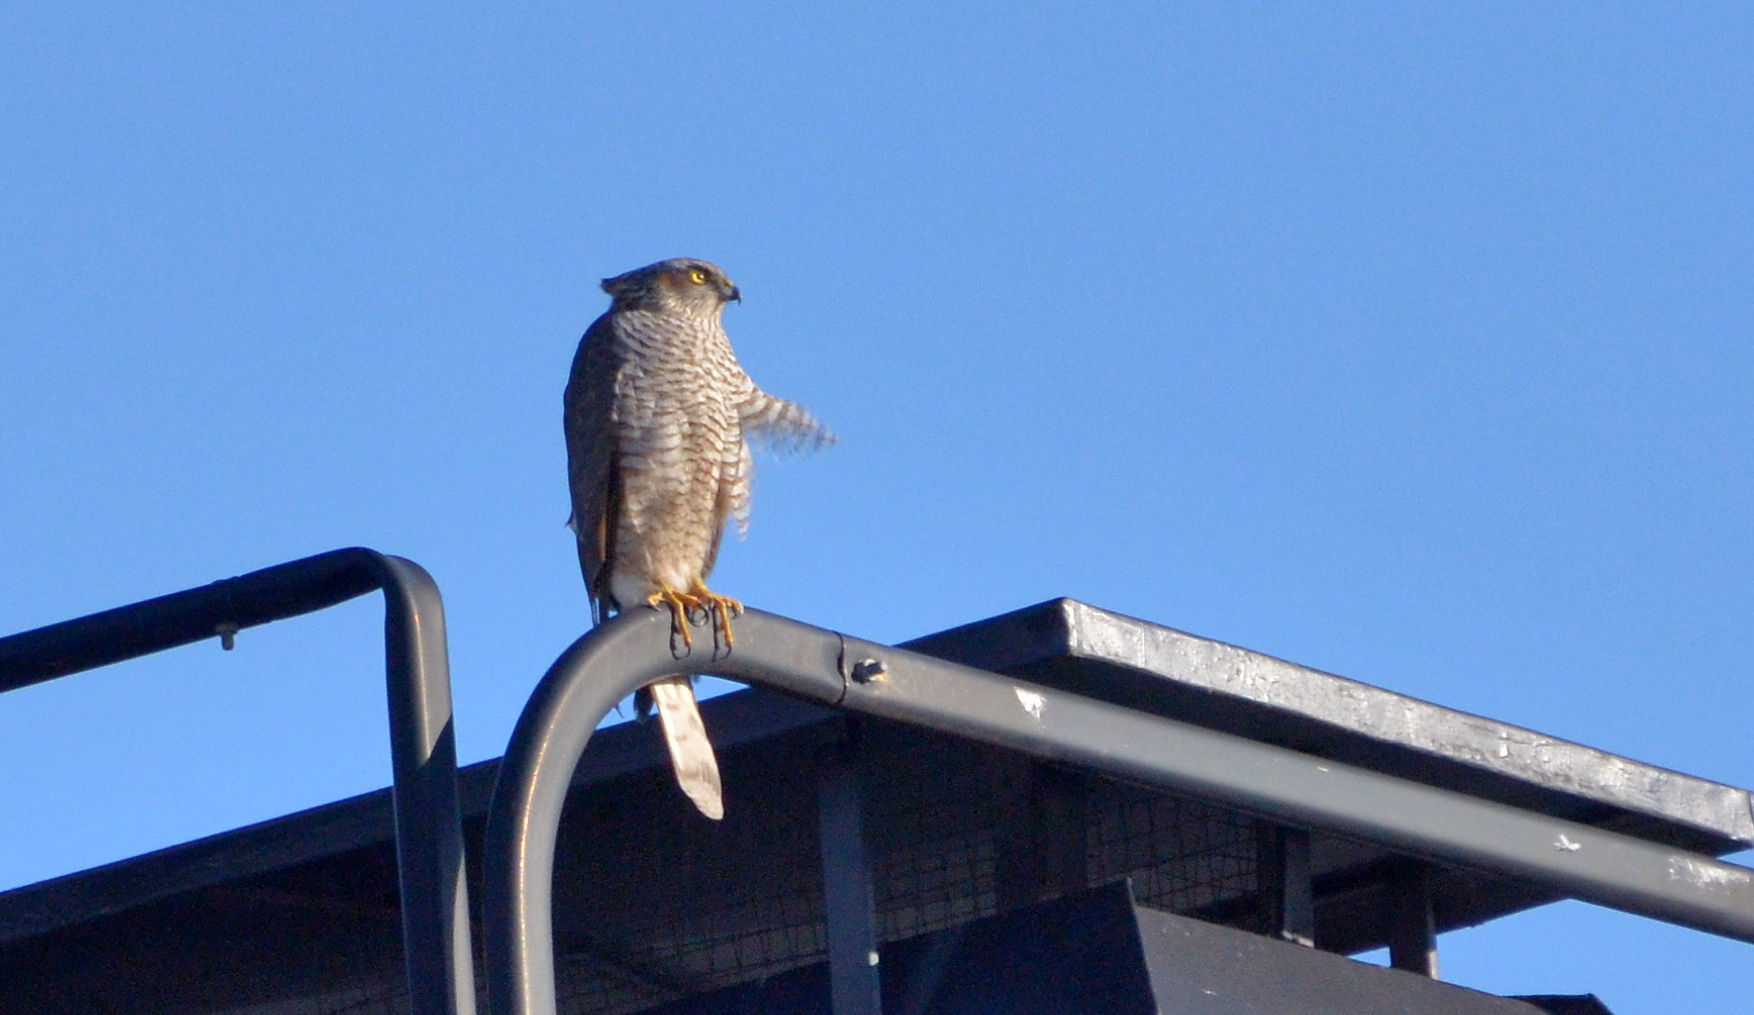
(1589, 863)
(153, 625)
(430, 866)
(849, 891)
(606, 665)
(429, 837)
(596, 672)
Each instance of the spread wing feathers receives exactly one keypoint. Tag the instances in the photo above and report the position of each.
(779, 424)
(590, 457)
(691, 754)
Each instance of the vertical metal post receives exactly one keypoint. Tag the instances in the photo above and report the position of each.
(1287, 883)
(847, 885)
(523, 823)
(429, 827)
(1412, 931)
(429, 834)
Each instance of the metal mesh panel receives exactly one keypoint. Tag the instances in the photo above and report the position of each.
(1183, 855)
(775, 923)
(661, 904)
(955, 831)
(930, 818)
(654, 904)
(959, 832)
(389, 997)
(386, 999)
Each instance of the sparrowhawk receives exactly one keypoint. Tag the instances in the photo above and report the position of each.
(658, 418)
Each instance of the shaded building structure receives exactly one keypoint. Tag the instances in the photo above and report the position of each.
(986, 879)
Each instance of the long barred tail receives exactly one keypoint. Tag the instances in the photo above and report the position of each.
(782, 425)
(691, 753)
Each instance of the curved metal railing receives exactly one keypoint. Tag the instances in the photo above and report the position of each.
(429, 839)
(609, 663)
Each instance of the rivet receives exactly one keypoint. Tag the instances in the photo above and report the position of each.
(867, 670)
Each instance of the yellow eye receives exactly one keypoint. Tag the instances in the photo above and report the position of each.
(697, 276)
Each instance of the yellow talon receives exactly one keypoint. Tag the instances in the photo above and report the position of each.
(722, 608)
(678, 604)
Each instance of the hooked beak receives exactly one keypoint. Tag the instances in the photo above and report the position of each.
(734, 295)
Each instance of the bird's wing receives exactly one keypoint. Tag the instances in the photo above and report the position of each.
(592, 472)
(779, 424)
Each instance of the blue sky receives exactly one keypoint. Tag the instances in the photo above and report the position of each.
(1410, 342)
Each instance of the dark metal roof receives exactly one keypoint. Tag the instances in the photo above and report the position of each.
(1198, 968)
(306, 903)
(347, 827)
(1078, 647)
(1100, 953)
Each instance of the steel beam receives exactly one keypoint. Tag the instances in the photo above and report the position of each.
(1288, 884)
(849, 895)
(612, 661)
(1412, 931)
(429, 838)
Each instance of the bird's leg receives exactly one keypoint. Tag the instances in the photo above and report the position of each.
(677, 603)
(722, 608)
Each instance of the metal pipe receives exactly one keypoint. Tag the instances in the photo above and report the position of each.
(1589, 863)
(849, 892)
(612, 661)
(429, 838)
(595, 673)
(153, 625)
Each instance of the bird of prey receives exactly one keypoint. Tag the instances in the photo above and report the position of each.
(659, 418)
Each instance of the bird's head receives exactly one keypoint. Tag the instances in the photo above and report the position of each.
(680, 284)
